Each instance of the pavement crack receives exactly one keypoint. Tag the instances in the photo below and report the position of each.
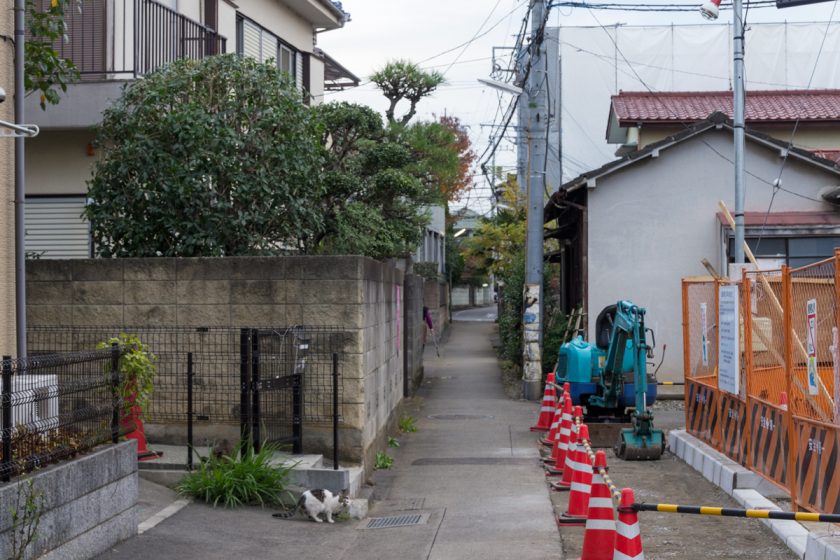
(434, 540)
(510, 436)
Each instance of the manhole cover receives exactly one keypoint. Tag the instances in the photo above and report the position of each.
(460, 417)
(394, 521)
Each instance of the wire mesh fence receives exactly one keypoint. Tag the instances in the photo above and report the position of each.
(268, 381)
(764, 320)
(56, 406)
(701, 323)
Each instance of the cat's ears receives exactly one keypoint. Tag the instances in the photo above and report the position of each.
(345, 493)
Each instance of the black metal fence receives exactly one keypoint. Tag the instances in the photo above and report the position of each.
(120, 39)
(268, 381)
(56, 406)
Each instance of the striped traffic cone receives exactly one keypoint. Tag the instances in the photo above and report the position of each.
(628, 536)
(578, 508)
(783, 401)
(549, 440)
(599, 538)
(547, 406)
(570, 460)
(561, 443)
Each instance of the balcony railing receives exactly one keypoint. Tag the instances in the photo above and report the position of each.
(124, 39)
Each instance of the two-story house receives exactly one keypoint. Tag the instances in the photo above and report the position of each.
(113, 42)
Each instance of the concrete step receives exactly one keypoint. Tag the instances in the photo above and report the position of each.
(308, 472)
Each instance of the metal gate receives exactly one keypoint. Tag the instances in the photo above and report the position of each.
(272, 367)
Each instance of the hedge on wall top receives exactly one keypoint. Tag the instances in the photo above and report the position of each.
(206, 158)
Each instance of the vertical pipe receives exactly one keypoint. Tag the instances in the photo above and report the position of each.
(244, 389)
(20, 185)
(256, 419)
(738, 125)
(686, 349)
(793, 447)
(748, 363)
(6, 403)
(190, 441)
(335, 410)
(116, 397)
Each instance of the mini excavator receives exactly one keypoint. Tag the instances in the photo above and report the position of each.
(610, 379)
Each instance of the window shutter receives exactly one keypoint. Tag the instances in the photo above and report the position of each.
(299, 70)
(251, 44)
(55, 228)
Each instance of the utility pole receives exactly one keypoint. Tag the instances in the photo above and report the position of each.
(537, 109)
(738, 125)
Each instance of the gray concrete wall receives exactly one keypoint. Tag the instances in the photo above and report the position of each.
(363, 297)
(413, 332)
(88, 504)
(436, 298)
(651, 224)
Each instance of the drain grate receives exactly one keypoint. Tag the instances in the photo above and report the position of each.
(394, 521)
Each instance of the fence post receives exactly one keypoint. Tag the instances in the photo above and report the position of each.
(686, 348)
(190, 443)
(6, 465)
(335, 410)
(746, 303)
(116, 400)
(790, 371)
(836, 326)
(256, 437)
(244, 396)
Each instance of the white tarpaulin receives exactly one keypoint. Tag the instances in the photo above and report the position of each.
(599, 62)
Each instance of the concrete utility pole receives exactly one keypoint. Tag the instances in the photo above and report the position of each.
(738, 125)
(537, 135)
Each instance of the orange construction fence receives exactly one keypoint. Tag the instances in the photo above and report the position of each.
(762, 366)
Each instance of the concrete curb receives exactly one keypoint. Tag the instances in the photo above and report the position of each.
(750, 489)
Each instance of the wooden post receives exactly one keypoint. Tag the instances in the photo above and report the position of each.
(793, 447)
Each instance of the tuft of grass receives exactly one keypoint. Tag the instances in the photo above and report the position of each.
(393, 442)
(408, 424)
(232, 481)
(383, 461)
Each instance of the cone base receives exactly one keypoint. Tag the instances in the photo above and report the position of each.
(549, 460)
(546, 442)
(565, 521)
(558, 487)
(551, 471)
(148, 455)
(540, 428)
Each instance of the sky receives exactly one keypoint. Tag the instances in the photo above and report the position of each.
(457, 37)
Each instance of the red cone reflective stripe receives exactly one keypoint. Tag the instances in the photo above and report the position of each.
(548, 406)
(599, 538)
(628, 538)
(581, 480)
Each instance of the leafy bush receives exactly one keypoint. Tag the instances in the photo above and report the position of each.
(408, 424)
(137, 371)
(428, 270)
(249, 478)
(383, 461)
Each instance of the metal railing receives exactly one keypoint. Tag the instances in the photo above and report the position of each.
(125, 39)
(56, 406)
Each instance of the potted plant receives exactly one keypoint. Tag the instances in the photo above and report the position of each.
(137, 372)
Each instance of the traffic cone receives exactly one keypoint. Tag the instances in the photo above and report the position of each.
(561, 444)
(570, 460)
(783, 401)
(549, 440)
(599, 538)
(628, 536)
(578, 508)
(547, 407)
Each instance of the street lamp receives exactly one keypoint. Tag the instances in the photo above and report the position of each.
(710, 10)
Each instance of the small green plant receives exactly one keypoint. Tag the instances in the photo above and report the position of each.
(383, 461)
(137, 371)
(408, 424)
(428, 270)
(26, 517)
(343, 516)
(231, 481)
(393, 442)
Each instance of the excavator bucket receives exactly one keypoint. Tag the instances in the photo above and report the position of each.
(634, 447)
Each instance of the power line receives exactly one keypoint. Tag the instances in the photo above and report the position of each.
(470, 42)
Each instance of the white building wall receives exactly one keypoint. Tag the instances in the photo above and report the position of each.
(651, 224)
(280, 20)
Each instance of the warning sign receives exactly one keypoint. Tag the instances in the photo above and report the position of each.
(729, 354)
(811, 309)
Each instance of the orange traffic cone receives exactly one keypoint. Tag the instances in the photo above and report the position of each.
(599, 538)
(547, 407)
(578, 508)
(549, 440)
(783, 401)
(569, 461)
(561, 443)
(628, 536)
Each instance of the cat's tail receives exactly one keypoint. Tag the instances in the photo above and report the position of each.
(290, 511)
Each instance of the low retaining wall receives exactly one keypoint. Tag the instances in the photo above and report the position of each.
(88, 504)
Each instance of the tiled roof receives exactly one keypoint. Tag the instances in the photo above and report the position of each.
(833, 155)
(761, 106)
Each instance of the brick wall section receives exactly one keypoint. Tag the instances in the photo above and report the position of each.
(7, 189)
(356, 294)
(88, 504)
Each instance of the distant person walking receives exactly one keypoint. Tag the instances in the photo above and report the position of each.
(430, 327)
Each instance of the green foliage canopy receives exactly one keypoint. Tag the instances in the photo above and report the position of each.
(403, 80)
(207, 158)
(44, 71)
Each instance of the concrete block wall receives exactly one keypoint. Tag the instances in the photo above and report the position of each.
(363, 297)
(414, 328)
(88, 504)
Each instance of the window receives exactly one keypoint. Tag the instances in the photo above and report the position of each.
(794, 251)
(258, 42)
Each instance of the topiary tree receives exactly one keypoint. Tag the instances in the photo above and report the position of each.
(207, 158)
(403, 80)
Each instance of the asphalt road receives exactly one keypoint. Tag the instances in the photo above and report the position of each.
(476, 314)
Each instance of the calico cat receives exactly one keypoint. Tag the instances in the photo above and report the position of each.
(317, 502)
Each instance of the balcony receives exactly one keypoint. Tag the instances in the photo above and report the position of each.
(113, 41)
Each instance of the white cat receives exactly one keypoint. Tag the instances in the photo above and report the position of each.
(317, 502)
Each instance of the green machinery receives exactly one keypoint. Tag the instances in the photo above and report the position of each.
(610, 378)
